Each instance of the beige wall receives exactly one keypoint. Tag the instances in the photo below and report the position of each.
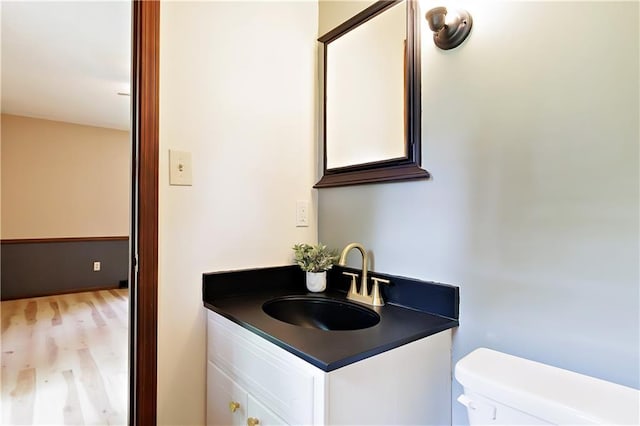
(332, 13)
(237, 91)
(63, 180)
(530, 130)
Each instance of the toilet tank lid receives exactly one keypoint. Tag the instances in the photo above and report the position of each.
(550, 393)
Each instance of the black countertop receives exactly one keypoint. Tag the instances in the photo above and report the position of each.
(239, 296)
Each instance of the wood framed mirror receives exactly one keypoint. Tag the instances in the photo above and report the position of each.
(371, 97)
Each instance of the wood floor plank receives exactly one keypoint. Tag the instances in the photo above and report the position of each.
(94, 386)
(95, 314)
(72, 408)
(118, 294)
(64, 304)
(9, 310)
(119, 302)
(80, 321)
(104, 306)
(31, 312)
(23, 397)
(57, 317)
(52, 351)
(8, 380)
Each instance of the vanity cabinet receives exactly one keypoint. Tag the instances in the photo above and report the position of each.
(410, 384)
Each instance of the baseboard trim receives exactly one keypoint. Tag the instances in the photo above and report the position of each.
(61, 240)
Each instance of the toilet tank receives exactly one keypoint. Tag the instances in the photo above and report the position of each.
(505, 389)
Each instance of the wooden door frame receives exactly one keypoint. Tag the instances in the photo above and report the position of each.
(143, 323)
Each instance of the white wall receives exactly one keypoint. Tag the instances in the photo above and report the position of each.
(530, 130)
(237, 86)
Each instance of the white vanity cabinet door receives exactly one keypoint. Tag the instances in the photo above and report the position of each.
(261, 413)
(221, 393)
(230, 405)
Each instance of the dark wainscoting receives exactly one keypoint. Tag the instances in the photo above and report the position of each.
(43, 267)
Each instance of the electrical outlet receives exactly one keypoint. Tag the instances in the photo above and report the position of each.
(302, 213)
(96, 266)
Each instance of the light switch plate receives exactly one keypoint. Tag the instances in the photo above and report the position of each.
(179, 168)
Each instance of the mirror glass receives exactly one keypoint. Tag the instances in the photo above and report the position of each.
(371, 89)
(361, 83)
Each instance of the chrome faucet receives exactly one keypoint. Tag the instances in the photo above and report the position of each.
(363, 295)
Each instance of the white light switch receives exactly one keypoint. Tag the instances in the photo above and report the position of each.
(302, 213)
(179, 168)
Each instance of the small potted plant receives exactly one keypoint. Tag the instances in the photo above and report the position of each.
(315, 260)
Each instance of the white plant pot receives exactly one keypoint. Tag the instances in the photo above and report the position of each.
(316, 281)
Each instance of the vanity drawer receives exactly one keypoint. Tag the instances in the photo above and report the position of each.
(272, 375)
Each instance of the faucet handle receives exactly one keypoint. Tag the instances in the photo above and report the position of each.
(377, 299)
(354, 285)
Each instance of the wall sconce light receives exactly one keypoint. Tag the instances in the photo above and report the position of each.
(449, 33)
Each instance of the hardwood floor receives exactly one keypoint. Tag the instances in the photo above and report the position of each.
(64, 359)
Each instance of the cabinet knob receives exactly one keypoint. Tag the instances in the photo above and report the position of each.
(233, 406)
(252, 421)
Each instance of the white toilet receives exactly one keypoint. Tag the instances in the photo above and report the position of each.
(501, 389)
